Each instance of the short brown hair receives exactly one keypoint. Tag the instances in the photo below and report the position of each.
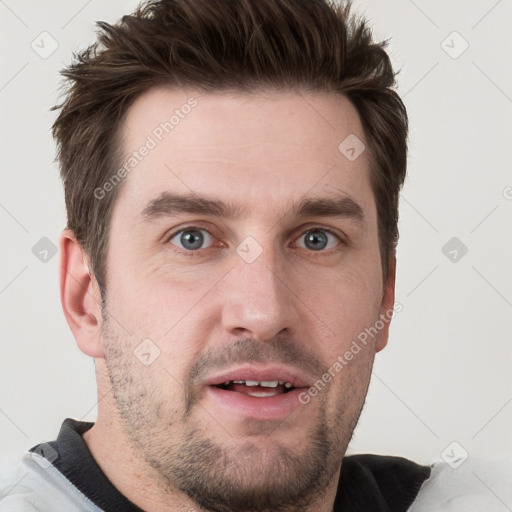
(215, 45)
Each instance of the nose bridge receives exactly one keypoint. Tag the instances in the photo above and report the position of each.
(258, 299)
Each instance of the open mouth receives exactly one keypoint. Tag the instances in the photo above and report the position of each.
(256, 392)
(262, 389)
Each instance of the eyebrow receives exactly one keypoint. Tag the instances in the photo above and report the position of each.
(170, 204)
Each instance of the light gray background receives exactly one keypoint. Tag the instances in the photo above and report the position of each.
(445, 375)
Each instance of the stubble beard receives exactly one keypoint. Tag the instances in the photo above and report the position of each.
(241, 477)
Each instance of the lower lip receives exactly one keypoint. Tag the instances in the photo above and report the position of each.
(276, 407)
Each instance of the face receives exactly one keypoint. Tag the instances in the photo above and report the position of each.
(243, 262)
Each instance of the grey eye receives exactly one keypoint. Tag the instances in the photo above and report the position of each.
(192, 239)
(318, 239)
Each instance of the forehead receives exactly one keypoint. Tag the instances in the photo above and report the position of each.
(266, 148)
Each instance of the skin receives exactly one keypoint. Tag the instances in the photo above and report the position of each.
(213, 310)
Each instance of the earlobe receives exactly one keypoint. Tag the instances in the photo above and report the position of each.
(387, 305)
(80, 297)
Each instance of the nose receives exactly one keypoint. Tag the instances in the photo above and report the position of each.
(258, 299)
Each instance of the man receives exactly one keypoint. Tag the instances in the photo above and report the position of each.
(232, 172)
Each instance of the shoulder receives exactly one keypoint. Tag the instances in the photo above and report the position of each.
(14, 488)
(32, 484)
(477, 485)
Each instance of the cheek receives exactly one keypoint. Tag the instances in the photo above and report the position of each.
(350, 306)
(349, 387)
(145, 386)
(153, 292)
(347, 300)
(165, 317)
(349, 359)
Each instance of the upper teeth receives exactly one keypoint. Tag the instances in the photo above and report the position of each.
(263, 383)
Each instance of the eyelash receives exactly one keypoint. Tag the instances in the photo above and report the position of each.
(198, 252)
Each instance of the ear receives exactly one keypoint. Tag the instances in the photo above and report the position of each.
(387, 305)
(80, 296)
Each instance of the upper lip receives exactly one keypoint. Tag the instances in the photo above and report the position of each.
(260, 374)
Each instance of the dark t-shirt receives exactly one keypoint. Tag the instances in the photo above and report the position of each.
(368, 483)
